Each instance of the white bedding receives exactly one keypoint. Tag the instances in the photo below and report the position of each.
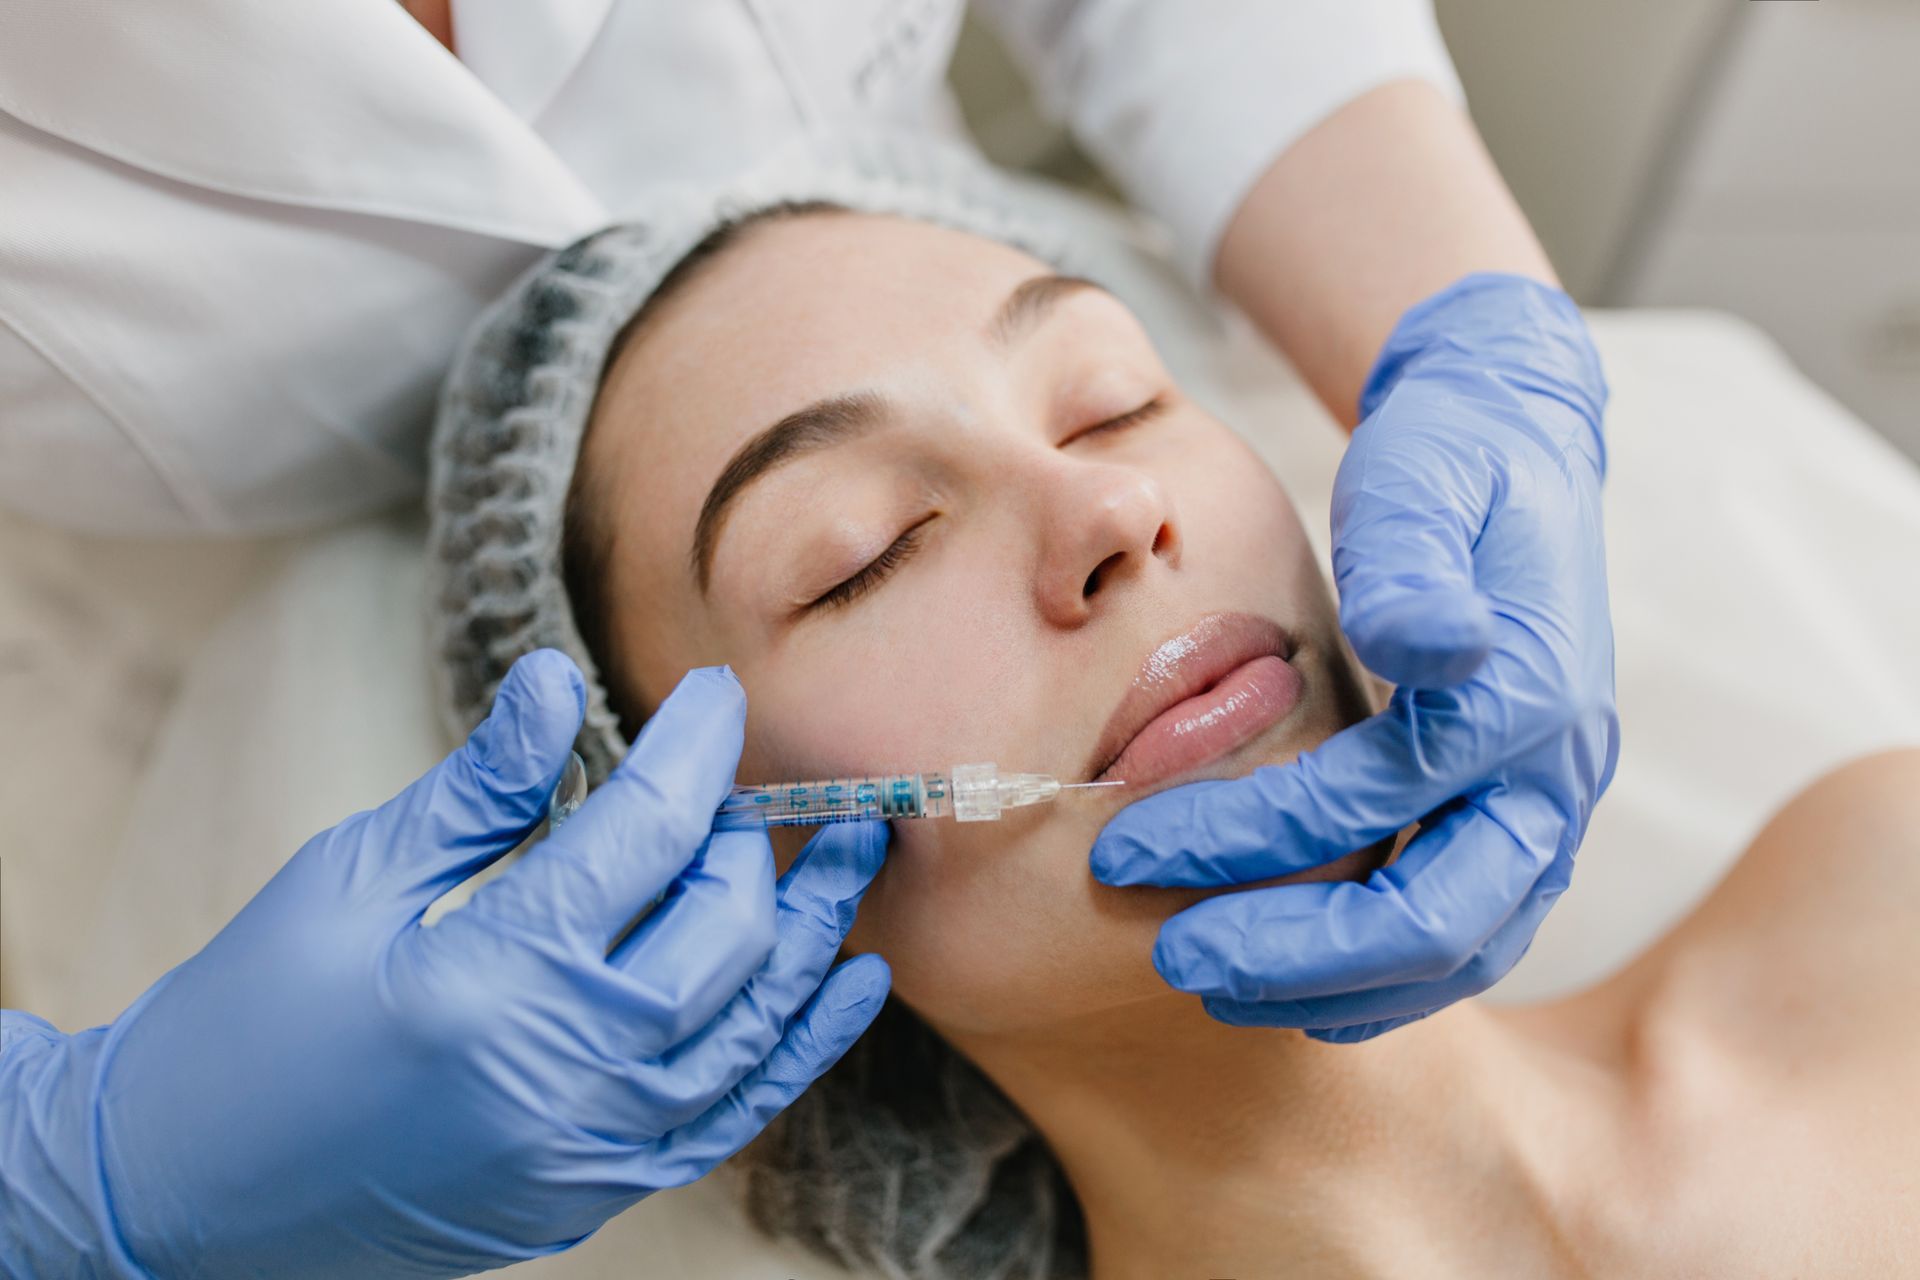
(178, 720)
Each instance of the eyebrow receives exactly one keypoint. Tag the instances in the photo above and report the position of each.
(1031, 302)
(821, 425)
(841, 419)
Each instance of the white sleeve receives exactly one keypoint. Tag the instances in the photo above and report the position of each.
(1187, 103)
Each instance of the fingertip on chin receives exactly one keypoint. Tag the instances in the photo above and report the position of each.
(1278, 1015)
(1115, 863)
(1184, 966)
(1362, 1032)
(1122, 853)
(1230, 1012)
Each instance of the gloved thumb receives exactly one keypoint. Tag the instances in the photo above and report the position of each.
(480, 801)
(1403, 564)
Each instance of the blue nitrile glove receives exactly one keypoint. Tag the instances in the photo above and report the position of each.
(1467, 552)
(331, 1089)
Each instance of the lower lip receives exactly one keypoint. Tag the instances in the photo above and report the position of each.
(1239, 707)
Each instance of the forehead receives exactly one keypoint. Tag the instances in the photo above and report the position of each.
(794, 310)
(804, 307)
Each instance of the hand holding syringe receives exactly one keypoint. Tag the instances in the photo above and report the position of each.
(966, 793)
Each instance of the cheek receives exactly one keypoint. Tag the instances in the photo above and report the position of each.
(994, 927)
(910, 679)
(1238, 515)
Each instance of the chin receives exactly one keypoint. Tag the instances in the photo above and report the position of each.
(1000, 928)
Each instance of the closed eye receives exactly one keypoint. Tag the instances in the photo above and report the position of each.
(876, 570)
(874, 573)
(1131, 418)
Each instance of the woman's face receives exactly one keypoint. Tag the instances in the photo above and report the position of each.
(984, 532)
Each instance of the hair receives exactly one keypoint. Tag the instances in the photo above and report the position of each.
(903, 1158)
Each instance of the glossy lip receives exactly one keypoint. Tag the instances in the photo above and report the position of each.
(1200, 694)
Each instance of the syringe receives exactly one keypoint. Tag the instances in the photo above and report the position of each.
(966, 793)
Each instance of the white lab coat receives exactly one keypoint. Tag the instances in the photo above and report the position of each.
(239, 239)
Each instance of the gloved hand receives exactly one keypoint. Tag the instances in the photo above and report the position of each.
(1469, 561)
(331, 1089)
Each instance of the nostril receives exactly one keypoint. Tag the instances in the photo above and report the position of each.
(1162, 539)
(1099, 571)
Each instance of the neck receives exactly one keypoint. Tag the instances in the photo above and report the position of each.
(1192, 1144)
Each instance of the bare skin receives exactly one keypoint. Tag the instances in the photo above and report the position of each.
(1768, 1045)
(1736, 1102)
(436, 16)
(1388, 200)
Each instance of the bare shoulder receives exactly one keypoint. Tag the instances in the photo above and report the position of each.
(1771, 1038)
(1848, 844)
(1817, 927)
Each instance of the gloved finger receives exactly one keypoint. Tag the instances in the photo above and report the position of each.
(640, 829)
(1363, 784)
(1352, 1016)
(1365, 1031)
(843, 1008)
(693, 952)
(1419, 919)
(1361, 1015)
(818, 896)
(1405, 519)
(1290, 1014)
(480, 801)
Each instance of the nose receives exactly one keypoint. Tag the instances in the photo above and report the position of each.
(1104, 525)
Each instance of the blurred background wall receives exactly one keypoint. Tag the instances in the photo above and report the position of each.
(1757, 156)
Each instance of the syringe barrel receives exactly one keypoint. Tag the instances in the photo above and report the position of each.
(967, 792)
(853, 799)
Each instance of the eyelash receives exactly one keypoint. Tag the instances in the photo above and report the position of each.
(1131, 418)
(876, 570)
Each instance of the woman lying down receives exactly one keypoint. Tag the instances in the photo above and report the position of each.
(936, 503)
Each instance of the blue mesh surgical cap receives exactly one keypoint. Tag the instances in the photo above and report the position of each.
(516, 403)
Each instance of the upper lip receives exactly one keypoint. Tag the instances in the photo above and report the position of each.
(1181, 666)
